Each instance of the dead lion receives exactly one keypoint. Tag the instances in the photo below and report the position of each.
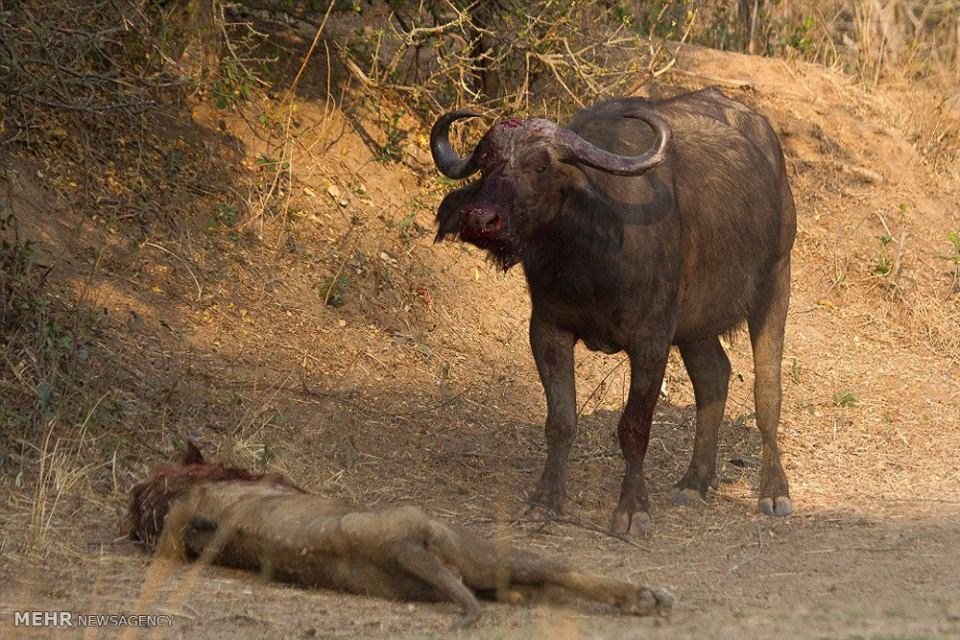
(263, 522)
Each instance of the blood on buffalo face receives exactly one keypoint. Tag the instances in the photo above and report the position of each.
(519, 191)
(523, 175)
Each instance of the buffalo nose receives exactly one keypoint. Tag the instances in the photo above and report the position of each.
(483, 220)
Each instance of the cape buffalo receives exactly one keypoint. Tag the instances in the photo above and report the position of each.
(641, 224)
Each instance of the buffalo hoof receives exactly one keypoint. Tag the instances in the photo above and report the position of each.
(781, 506)
(685, 497)
(638, 523)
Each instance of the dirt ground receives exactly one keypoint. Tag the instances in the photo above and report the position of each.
(418, 386)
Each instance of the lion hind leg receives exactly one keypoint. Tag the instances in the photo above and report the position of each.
(416, 559)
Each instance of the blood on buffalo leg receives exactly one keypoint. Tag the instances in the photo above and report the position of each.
(766, 325)
(646, 374)
(553, 353)
(709, 371)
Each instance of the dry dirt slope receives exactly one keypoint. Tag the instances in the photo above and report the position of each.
(420, 387)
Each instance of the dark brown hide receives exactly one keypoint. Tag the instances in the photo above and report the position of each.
(239, 519)
(687, 249)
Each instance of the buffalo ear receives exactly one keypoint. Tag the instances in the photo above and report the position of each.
(449, 216)
(192, 454)
(450, 211)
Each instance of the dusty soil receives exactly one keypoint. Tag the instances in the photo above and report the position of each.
(417, 385)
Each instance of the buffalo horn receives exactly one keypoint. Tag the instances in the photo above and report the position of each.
(446, 159)
(594, 156)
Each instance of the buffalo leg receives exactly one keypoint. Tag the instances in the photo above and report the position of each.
(709, 371)
(646, 373)
(766, 335)
(553, 353)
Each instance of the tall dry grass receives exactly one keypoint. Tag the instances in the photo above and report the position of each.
(912, 47)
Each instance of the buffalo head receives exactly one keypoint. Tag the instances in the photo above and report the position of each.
(526, 167)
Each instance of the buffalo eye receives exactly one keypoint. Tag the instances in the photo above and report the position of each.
(542, 169)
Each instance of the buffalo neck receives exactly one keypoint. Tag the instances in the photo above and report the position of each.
(597, 258)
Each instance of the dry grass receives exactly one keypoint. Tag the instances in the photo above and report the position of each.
(901, 44)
